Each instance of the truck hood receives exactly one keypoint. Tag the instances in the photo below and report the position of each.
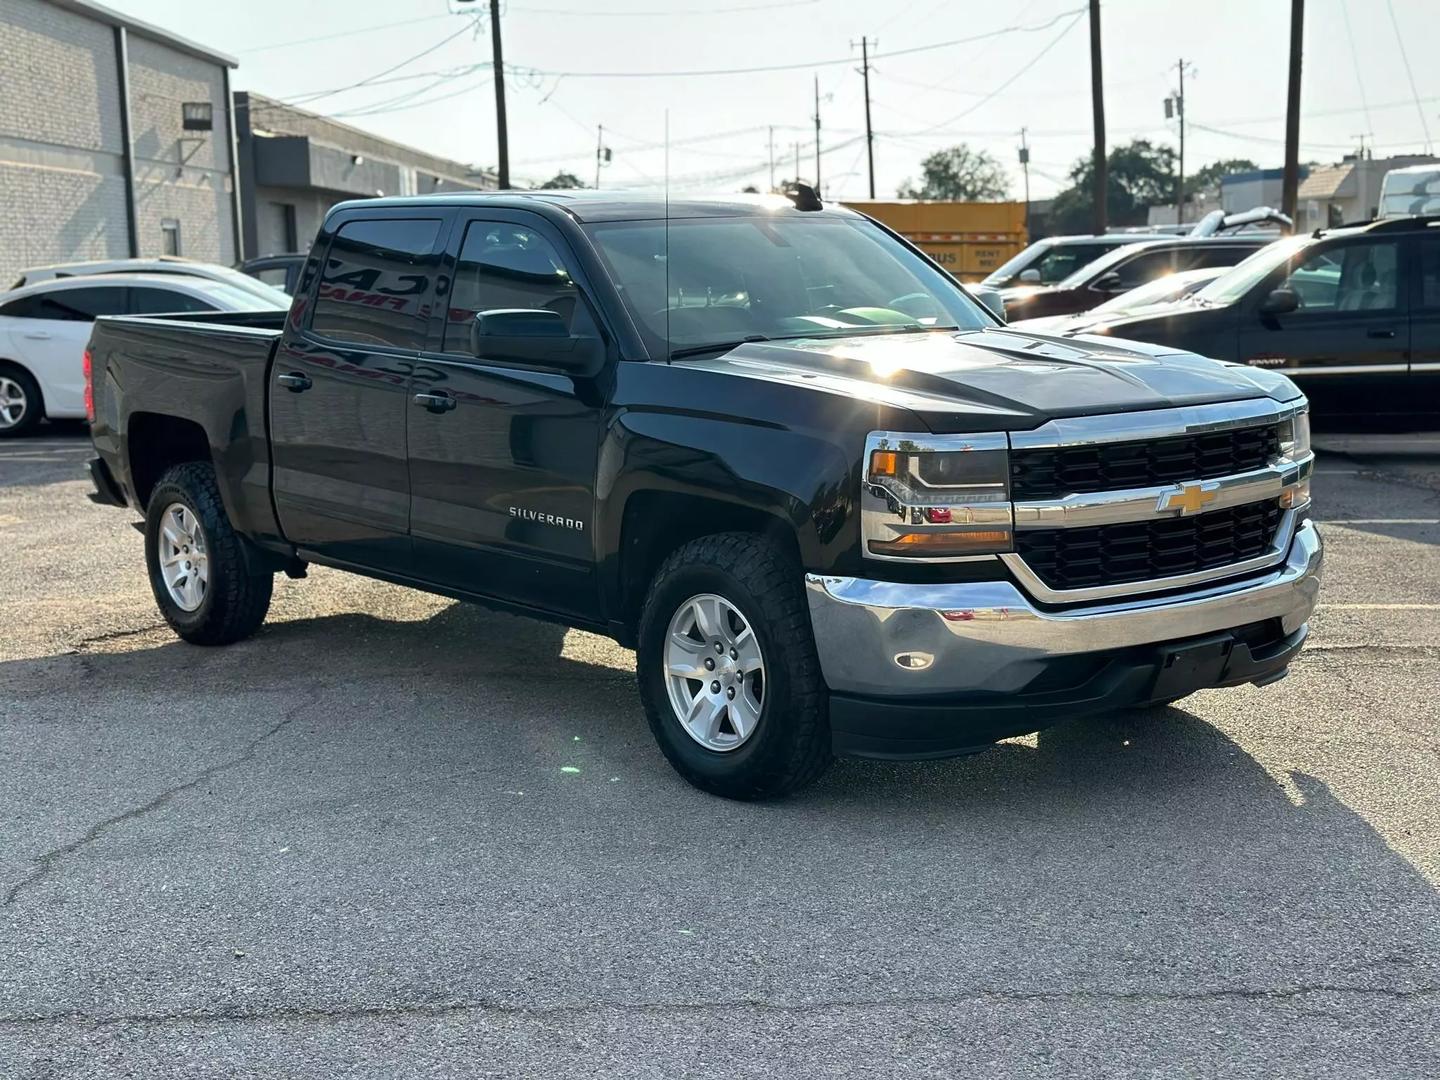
(999, 379)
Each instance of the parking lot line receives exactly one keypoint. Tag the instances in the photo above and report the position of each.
(1379, 607)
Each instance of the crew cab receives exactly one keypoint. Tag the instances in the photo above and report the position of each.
(1351, 314)
(834, 505)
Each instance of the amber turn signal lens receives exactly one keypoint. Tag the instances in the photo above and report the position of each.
(884, 463)
(977, 542)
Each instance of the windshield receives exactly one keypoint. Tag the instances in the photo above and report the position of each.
(1159, 291)
(1229, 287)
(737, 278)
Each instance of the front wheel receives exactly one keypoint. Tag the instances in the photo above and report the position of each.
(203, 583)
(728, 672)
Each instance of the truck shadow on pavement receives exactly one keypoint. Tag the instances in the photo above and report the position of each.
(503, 772)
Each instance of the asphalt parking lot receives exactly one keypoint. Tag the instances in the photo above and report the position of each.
(393, 836)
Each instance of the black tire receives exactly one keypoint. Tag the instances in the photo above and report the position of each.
(34, 402)
(790, 744)
(237, 595)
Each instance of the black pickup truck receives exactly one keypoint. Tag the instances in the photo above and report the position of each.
(831, 501)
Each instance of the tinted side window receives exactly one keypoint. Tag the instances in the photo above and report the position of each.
(1430, 273)
(154, 301)
(503, 265)
(27, 307)
(1205, 257)
(1356, 277)
(1059, 263)
(80, 305)
(375, 283)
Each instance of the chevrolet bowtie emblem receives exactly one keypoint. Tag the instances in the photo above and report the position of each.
(1186, 498)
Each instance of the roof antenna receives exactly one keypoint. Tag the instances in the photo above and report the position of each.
(667, 236)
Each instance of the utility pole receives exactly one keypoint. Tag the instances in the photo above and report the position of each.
(869, 132)
(1290, 187)
(501, 133)
(817, 134)
(1175, 109)
(772, 157)
(1025, 168)
(1097, 104)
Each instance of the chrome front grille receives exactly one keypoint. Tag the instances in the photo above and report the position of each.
(1139, 551)
(1052, 472)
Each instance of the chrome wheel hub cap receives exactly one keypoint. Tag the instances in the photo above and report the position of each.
(714, 672)
(184, 561)
(13, 403)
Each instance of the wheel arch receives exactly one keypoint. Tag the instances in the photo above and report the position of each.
(155, 442)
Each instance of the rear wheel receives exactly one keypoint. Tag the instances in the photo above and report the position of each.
(21, 406)
(728, 672)
(204, 585)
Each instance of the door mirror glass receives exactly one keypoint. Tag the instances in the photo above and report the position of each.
(1030, 277)
(1280, 302)
(533, 338)
(1110, 282)
(991, 298)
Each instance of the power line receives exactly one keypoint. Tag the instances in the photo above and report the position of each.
(301, 99)
(659, 13)
(1355, 59)
(806, 64)
(342, 34)
(1023, 69)
(1405, 59)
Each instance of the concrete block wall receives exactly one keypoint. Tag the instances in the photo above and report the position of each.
(62, 188)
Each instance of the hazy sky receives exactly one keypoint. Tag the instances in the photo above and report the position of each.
(977, 91)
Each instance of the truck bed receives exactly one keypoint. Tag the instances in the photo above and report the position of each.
(190, 376)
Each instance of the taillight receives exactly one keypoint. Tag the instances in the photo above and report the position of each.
(89, 387)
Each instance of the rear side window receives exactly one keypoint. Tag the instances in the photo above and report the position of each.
(153, 301)
(1144, 267)
(375, 283)
(1430, 273)
(75, 305)
(1202, 258)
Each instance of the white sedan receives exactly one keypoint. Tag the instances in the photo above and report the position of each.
(44, 329)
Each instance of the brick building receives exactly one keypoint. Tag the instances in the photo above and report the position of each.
(97, 156)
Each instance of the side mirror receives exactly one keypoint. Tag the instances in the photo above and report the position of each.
(993, 300)
(1109, 282)
(1029, 277)
(533, 338)
(1280, 302)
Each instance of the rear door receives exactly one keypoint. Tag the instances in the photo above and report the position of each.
(50, 334)
(1348, 344)
(1425, 330)
(338, 393)
(503, 460)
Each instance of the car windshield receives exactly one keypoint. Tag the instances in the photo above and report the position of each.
(237, 280)
(774, 276)
(1231, 286)
(1162, 289)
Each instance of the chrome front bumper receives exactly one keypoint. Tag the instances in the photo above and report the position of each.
(892, 639)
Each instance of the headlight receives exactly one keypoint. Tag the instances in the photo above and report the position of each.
(1295, 435)
(936, 496)
(1295, 446)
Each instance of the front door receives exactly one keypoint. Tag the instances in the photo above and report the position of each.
(503, 460)
(1425, 333)
(339, 390)
(1347, 345)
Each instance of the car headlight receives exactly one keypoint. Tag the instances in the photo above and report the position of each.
(1295, 435)
(1295, 447)
(936, 497)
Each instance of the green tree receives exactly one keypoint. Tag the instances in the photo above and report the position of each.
(1216, 171)
(562, 179)
(959, 174)
(1139, 175)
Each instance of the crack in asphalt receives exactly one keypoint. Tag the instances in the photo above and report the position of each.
(431, 1010)
(48, 862)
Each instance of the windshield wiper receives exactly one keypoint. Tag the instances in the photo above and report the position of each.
(716, 346)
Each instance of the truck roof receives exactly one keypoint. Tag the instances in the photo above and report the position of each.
(589, 205)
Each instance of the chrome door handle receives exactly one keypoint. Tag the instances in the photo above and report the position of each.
(436, 403)
(295, 382)
(38, 335)
(1380, 333)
